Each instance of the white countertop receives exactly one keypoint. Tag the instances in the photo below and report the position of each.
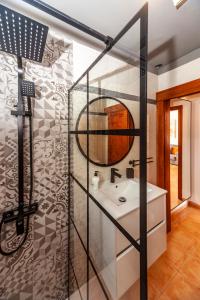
(119, 211)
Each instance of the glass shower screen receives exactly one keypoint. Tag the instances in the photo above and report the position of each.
(108, 237)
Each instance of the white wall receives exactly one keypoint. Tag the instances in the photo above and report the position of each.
(196, 150)
(83, 56)
(180, 75)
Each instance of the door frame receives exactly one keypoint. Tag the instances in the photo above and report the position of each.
(163, 133)
(180, 147)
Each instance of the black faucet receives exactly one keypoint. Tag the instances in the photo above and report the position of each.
(113, 174)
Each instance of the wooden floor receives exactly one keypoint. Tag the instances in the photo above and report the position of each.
(176, 274)
(174, 186)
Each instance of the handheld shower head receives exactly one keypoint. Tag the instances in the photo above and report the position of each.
(28, 88)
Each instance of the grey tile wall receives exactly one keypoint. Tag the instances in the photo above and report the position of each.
(38, 271)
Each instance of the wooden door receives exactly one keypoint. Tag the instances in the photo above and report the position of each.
(118, 118)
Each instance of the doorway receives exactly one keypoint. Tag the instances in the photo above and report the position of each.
(163, 99)
(176, 125)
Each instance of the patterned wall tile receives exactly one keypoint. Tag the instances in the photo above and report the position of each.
(38, 271)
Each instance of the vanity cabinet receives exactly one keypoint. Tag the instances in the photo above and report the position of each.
(128, 262)
(156, 213)
(122, 269)
(116, 261)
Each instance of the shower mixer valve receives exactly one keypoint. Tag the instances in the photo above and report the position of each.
(18, 215)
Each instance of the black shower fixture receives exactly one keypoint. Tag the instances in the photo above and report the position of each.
(24, 38)
(21, 36)
(28, 88)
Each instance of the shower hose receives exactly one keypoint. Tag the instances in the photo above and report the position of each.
(3, 252)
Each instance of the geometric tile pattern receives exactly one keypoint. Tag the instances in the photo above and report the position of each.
(38, 271)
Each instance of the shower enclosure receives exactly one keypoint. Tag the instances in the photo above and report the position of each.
(88, 238)
(91, 250)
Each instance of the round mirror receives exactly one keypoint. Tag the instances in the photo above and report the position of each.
(105, 113)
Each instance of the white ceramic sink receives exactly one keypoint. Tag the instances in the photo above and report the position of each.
(122, 192)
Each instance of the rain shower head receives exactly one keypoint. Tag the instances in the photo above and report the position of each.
(28, 88)
(21, 36)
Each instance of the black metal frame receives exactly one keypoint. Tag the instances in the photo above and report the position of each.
(141, 247)
(69, 20)
(84, 110)
(111, 93)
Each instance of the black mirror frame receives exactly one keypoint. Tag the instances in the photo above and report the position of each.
(77, 138)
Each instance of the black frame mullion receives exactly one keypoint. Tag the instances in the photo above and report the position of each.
(126, 132)
(69, 191)
(88, 187)
(143, 152)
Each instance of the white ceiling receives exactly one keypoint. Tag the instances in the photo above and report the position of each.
(172, 33)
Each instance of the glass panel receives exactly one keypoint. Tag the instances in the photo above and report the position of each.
(116, 77)
(79, 262)
(95, 286)
(114, 80)
(103, 247)
(75, 293)
(151, 143)
(79, 101)
(80, 211)
(117, 74)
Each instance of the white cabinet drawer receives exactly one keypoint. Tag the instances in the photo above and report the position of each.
(128, 262)
(156, 213)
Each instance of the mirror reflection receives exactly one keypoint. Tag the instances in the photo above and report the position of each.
(105, 113)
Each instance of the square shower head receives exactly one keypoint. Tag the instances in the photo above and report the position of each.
(21, 36)
(28, 88)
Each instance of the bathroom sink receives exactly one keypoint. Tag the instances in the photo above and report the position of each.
(122, 192)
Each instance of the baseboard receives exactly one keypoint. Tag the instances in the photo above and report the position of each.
(193, 204)
(179, 207)
(178, 210)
